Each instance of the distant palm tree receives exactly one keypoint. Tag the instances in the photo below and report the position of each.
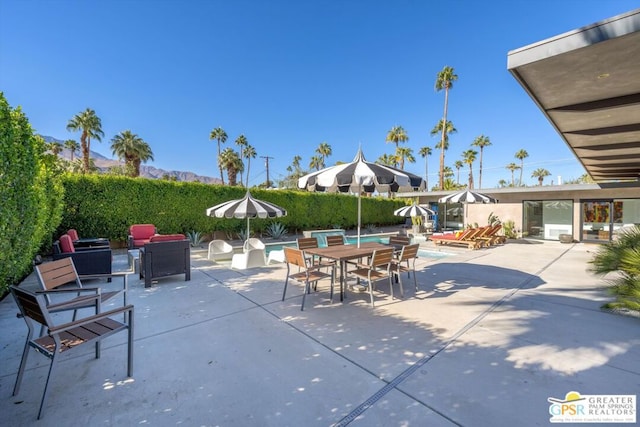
(469, 157)
(437, 130)
(90, 126)
(481, 142)
(55, 147)
(444, 80)
(540, 173)
(232, 163)
(458, 165)
(387, 160)
(249, 153)
(512, 167)
(404, 154)
(316, 162)
(241, 142)
(396, 135)
(521, 155)
(425, 152)
(502, 183)
(324, 150)
(221, 136)
(132, 149)
(72, 146)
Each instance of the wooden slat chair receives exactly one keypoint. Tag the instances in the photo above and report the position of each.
(54, 274)
(399, 241)
(378, 268)
(305, 243)
(335, 240)
(405, 262)
(62, 272)
(60, 338)
(307, 273)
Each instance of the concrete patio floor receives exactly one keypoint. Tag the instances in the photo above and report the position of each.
(489, 336)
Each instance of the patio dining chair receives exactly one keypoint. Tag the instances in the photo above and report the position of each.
(307, 273)
(405, 262)
(60, 338)
(335, 240)
(378, 268)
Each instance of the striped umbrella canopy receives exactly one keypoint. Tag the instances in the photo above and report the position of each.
(358, 176)
(413, 210)
(248, 208)
(466, 197)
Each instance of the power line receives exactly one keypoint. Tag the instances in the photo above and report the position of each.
(266, 163)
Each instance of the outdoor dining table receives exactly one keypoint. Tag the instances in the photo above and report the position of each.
(344, 253)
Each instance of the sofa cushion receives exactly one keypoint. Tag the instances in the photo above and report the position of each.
(142, 231)
(66, 244)
(166, 237)
(73, 234)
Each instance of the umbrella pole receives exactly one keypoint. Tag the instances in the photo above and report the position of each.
(359, 214)
(248, 229)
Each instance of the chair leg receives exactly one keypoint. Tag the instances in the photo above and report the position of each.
(399, 274)
(46, 384)
(130, 346)
(307, 288)
(286, 281)
(23, 363)
(371, 293)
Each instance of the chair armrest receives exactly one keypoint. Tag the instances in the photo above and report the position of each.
(87, 320)
(76, 303)
(69, 290)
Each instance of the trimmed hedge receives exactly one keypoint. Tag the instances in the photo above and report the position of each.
(30, 195)
(105, 206)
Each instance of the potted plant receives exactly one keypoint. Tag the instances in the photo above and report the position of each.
(416, 222)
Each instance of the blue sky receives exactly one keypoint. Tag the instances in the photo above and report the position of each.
(289, 75)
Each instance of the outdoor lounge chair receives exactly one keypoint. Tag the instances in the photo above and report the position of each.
(60, 338)
(90, 261)
(165, 255)
(140, 235)
(466, 238)
(219, 249)
(87, 242)
(249, 259)
(253, 243)
(307, 273)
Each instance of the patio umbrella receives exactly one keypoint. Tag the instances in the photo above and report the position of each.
(465, 197)
(413, 210)
(248, 208)
(361, 175)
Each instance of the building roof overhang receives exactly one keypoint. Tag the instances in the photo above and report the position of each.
(587, 83)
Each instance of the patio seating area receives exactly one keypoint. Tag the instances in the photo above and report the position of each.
(519, 322)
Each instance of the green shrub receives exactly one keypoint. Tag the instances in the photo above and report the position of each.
(30, 195)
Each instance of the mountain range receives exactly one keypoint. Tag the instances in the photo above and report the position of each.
(103, 163)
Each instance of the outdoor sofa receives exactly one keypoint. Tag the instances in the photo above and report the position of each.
(165, 255)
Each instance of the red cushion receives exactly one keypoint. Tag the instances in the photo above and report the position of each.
(166, 237)
(66, 244)
(142, 231)
(73, 234)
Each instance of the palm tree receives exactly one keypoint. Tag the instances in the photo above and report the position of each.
(249, 153)
(512, 167)
(232, 163)
(221, 136)
(469, 157)
(90, 126)
(132, 149)
(521, 155)
(55, 147)
(387, 160)
(241, 142)
(481, 142)
(458, 165)
(316, 162)
(502, 183)
(396, 135)
(404, 154)
(324, 150)
(437, 130)
(425, 152)
(444, 80)
(72, 146)
(540, 173)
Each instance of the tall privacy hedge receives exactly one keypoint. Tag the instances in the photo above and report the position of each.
(105, 206)
(30, 195)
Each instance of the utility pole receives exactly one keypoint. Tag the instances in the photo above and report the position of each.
(266, 163)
